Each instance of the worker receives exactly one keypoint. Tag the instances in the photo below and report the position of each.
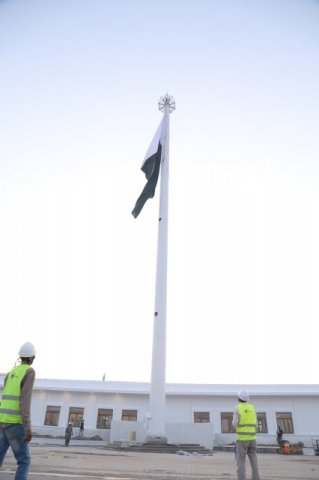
(81, 432)
(68, 434)
(280, 433)
(15, 422)
(245, 423)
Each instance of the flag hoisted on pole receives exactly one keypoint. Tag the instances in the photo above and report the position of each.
(157, 162)
(151, 167)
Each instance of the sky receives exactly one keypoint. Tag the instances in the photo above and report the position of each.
(79, 87)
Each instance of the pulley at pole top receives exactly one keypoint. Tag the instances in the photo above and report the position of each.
(166, 101)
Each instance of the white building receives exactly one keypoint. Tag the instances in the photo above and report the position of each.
(118, 411)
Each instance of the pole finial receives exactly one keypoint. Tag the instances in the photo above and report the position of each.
(166, 102)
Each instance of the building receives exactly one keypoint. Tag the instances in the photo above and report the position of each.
(202, 414)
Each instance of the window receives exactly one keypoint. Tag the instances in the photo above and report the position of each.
(226, 422)
(129, 415)
(284, 420)
(262, 423)
(76, 415)
(201, 417)
(52, 416)
(104, 418)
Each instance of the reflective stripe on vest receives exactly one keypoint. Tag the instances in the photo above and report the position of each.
(246, 429)
(10, 408)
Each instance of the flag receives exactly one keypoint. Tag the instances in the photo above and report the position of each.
(151, 167)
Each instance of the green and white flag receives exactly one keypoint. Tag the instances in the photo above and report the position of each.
(151, 167)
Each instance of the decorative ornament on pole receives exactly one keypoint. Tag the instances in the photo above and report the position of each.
(166, 102)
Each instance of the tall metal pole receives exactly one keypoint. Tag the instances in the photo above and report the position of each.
(156, 420)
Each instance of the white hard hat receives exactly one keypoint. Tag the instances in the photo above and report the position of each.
(27, 350)
(243, 395)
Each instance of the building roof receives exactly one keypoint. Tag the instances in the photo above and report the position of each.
(143, 388)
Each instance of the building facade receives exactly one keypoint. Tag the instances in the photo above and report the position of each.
(202, 414)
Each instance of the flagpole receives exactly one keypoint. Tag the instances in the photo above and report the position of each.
(156, 420)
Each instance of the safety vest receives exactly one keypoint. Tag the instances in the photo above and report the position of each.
(246, 429)
(10, 408)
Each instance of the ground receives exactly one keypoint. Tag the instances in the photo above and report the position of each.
(84, 461)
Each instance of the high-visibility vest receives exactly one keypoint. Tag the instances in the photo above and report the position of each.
(10, 408)
(246, 429)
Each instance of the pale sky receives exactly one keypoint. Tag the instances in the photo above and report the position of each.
(79, 86)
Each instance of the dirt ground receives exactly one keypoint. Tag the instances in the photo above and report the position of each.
(99, 463)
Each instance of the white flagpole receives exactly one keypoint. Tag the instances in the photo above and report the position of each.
(156, 420)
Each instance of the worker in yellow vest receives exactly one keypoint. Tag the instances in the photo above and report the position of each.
(245, 423)
(15, 423)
